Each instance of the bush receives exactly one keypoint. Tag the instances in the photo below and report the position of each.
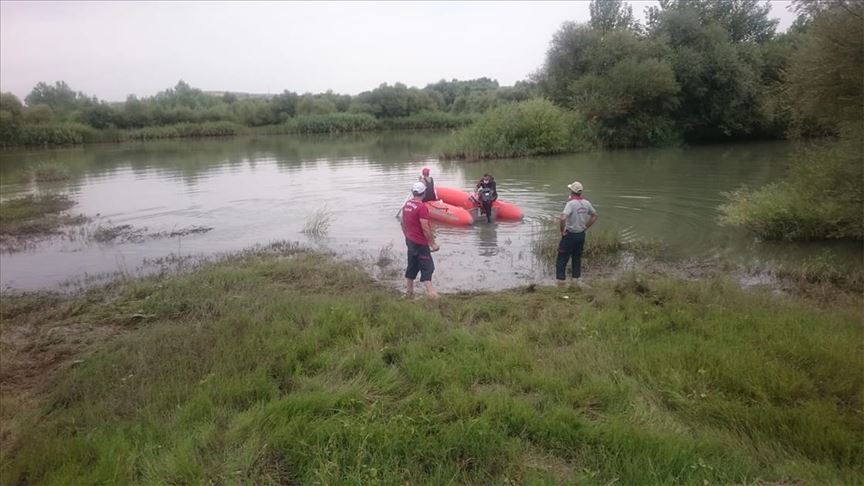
(184, 130)
(332, 123)
(427, 120)
(534, 127)
(820, 198)
(55, 134)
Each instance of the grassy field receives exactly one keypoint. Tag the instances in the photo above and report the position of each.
(283, 366)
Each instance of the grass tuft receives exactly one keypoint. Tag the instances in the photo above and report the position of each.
(603, 247)
(318, 223)
(49, 172)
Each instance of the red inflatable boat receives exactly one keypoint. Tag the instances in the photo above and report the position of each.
(461, 199)
(449, 213)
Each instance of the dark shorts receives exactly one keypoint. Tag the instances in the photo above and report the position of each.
(419, 261)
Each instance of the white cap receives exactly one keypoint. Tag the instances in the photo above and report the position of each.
(418, 188)
(575, 187)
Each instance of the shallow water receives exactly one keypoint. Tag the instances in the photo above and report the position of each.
(257, 190)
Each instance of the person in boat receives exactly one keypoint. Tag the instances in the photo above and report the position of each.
(426, 179)
(420, 241)
(487, 192)
(578, 215)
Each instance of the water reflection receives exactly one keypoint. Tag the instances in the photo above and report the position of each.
(487, 238)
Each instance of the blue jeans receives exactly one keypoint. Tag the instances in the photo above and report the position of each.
(570, 247)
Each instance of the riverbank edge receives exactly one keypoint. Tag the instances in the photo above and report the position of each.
(76, 134)
(53, 337)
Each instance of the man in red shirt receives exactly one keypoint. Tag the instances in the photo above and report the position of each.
(420, 242)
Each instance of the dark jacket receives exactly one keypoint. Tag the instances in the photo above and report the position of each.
(430, 189)
(483, 186)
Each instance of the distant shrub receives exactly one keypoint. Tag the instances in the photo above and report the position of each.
(332, 123)
(55, 134)
(534, 127)
(428, 120)
(183, 130)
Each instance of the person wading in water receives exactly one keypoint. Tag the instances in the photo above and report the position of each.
(426, 179)
(420, 241)
(487, 193)
(578, 215)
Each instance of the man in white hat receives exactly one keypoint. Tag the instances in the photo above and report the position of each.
(577, 217)
(420, 242)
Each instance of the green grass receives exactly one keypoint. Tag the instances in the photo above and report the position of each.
(269, 369)
(35, 215)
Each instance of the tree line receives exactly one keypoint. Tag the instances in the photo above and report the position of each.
(696, 71)
(52, 106)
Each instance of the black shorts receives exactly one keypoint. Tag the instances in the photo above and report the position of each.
(419, 261)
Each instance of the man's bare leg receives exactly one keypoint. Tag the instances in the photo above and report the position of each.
(409, 288)
(430, 290)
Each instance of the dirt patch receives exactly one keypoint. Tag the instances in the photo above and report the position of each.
(37, 343)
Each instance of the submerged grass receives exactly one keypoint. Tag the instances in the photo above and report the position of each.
(603, 247)
(296, 369)
(49, 172)
(318, 223)
(34, 216)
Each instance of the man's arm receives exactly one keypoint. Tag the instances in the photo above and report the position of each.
(562, 220)
(593, 218)
(427, 232)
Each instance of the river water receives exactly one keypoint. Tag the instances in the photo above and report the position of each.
(258, 190)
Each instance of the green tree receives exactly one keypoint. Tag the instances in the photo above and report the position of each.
(611, 14)
(38, 114)
(99, 115)
(720, 90)
(59, 97)
(742, 20)
(633, 102)
(11, 112)
(824, 79)
(311, 105)
(284, 105)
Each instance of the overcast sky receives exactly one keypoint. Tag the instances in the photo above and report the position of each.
(112, 49)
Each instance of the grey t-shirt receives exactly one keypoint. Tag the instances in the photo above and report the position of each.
(577, 211)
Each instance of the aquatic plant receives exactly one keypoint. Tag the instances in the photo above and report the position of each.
(603, 247)
(318, 223)
(49, 172)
